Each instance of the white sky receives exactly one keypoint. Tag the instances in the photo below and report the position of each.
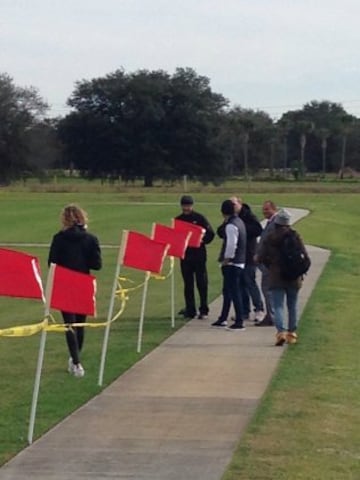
(273, 55)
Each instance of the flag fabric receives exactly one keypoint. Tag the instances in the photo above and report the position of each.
(20, 275)
(143, 253)
(197, 232)
(73, 291)
(177, 239)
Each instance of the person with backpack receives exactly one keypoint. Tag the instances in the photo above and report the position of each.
(284, 254)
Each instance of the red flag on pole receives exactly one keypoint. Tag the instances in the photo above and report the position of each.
(143, 253)
(20, 275)
(177, 239)
(73, 292)
(197, 232)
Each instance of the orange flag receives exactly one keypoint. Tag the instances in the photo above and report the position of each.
(143, 253)
(197, 232)
(73, 291)
(20, 275)
(177, 239)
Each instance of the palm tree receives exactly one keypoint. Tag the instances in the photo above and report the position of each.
(324, 135)
(347, 121)
(245, 144)
(303, 127)
(284, 127)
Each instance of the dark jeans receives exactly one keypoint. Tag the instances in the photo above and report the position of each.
(251, 291)
(233, 286)
(74, 336)
(195, 270)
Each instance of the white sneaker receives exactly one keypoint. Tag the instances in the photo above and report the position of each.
(78, 371)
(259, 317)
(70, 368)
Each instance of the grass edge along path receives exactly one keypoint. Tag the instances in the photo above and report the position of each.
(328, 212)
(307, 425)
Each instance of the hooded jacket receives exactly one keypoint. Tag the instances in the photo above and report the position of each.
(269, 255)
(75, 248)
(253, 230)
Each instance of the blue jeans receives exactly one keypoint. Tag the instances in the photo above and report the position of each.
(233, 286)
(252, 290)
(278, 296)
(267, 293)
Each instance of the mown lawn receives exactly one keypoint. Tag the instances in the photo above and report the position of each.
(307, 425)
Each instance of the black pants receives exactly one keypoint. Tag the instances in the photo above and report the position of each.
(195, 270)
(233, 288)
(74, 335)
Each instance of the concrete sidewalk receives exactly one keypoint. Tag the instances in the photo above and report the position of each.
(178, 414)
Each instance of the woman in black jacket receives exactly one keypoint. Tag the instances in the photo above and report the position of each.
(75, 248)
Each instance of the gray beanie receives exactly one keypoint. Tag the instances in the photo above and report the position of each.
(282, 217)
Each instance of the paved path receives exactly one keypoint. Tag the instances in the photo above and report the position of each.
(178, 414)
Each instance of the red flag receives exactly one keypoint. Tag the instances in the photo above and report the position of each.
(177, 239)
(143, 253)
(20, 275)
(196, 231)
(73, 291)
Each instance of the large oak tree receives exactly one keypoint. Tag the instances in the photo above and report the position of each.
(145, 124)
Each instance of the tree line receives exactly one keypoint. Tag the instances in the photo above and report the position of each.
(153, 125)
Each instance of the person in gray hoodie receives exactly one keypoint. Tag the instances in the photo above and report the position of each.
(232, 259)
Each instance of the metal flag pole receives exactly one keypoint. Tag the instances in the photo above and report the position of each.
(111, 307)
(142, 313)
(48, 291)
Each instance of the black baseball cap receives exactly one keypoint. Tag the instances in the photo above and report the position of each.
(186, 200)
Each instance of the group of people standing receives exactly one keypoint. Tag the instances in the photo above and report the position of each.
(246, 246)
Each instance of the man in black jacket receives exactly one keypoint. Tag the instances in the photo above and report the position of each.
(193, 266)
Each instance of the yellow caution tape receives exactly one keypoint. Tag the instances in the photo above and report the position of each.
(24, 330)
(121, 293)
(156, 276)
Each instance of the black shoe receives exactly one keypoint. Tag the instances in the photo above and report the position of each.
(219, 323)
(265, 323)
(236, 327)
(182, 311)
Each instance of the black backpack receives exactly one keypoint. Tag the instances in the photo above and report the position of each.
(294, 259)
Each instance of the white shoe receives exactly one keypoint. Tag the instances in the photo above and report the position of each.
(259, 317)
(78, 371)
(70, 368)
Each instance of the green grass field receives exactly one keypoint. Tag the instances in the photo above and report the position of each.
(307, 425)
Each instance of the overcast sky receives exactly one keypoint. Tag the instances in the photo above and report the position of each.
(273, 55)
